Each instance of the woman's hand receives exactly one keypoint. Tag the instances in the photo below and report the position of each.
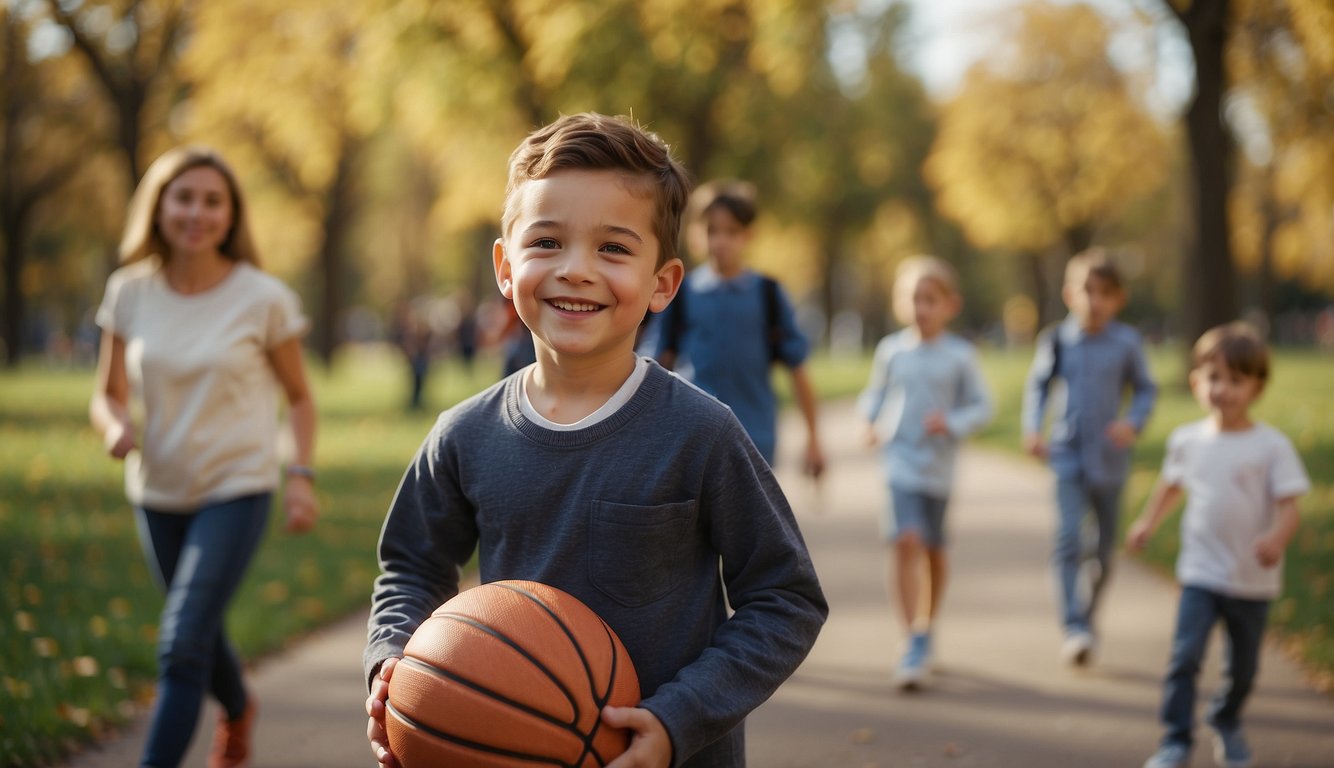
(119, 439)
(300, 504)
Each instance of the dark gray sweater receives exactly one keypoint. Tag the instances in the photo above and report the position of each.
(633, 516)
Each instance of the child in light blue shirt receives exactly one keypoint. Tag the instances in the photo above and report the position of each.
(925, 394)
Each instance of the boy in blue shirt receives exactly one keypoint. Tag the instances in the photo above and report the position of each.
(599, 473)
(1094, 359)
(925, 394)
(730, 324)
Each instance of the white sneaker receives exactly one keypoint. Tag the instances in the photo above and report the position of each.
(1077, 650)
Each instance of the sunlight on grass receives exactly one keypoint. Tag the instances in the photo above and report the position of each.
(78, 607)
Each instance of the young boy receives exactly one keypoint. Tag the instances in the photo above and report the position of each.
(600, 473)
(730, 324)
(1242, 480)
(1096, 359)
(924, 395)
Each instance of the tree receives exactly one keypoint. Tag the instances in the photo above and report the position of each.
(42, 146)
(1282, 61)
(130, 46)
(1209, 283)
(1045, 142)
(283, 87)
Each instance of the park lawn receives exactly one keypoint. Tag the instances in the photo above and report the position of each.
(78, 608)
(1297, 401)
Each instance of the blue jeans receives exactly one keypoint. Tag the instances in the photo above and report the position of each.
(198, 559)
(1075, 498)
(1197, 613)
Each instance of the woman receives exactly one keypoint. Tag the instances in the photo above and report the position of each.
(201, 339)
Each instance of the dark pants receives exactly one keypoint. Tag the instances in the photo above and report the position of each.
(1244, 622)
(199, 559)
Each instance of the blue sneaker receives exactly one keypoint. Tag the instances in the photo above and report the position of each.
(1230, 748)
(1169, 756)
(913, 666)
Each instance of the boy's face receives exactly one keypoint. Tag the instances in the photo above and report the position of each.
(1225, 393)
(580, 262)
(1093, 300)
(926, 305)
(719, 234)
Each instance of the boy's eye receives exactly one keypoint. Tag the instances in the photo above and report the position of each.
(545, 243)
(616, 248)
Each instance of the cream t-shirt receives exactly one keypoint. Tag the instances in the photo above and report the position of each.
(197, 364)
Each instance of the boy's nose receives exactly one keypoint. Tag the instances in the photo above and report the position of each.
(577, 264)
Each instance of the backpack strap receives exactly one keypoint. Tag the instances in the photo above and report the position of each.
(1054, 338)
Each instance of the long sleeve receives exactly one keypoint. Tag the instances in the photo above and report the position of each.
(778, 607)
(973, 409)
(1038, 382)
(427, 536)
(1143, 387)
(872, 398)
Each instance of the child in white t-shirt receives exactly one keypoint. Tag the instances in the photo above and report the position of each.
(1242, 479)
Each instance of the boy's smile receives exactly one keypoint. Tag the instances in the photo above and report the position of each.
(580, 262)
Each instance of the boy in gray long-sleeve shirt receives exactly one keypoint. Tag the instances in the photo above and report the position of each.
(602, 474)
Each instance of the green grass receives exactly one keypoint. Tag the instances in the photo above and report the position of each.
(78, 609)
(1299, 403)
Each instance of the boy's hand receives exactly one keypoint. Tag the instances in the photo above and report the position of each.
(1034, 445)
(814, 465)
(1268, 550)
(935, 423)
(1121, 433)
(650, 747)
(375, 707)
(1138, 535)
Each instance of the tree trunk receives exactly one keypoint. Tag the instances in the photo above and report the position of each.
(339, 203)
(1209, 284)
(14, 300)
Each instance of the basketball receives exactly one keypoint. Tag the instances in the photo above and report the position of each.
(511, 674)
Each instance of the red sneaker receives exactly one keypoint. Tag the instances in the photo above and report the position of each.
(231, 740)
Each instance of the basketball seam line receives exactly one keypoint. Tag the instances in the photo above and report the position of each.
(411, 723)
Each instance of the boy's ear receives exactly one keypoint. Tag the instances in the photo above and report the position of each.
(501, 264)
(668, 277)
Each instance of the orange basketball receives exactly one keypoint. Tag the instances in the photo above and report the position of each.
(511, 674)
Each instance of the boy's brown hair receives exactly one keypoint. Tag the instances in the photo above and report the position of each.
(735, 197)
(1237, 346)
(591, 141)
(1097, 262)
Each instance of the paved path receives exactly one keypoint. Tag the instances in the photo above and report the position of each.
(999, 696)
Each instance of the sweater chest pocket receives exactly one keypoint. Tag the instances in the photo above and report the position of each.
(635, 552)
